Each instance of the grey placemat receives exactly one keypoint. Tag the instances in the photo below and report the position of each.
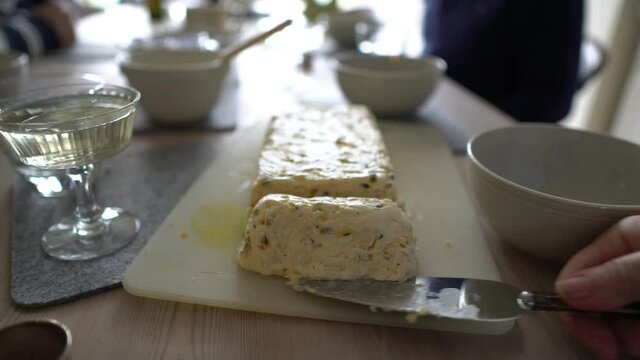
(146, 182)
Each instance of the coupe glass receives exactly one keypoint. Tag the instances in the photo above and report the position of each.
(48, 182)
(72, 127)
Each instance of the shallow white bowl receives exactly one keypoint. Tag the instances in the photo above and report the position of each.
(177, 86)
(390, 86)
(550, 190)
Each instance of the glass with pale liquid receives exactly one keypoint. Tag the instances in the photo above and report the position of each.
(46, 182)
(73, 127)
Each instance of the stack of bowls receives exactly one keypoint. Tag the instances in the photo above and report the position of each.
(550, 190)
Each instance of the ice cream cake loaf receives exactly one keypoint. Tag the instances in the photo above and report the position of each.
(329, 238)
(324, 152)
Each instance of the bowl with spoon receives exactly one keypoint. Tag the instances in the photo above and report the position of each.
(183, 86)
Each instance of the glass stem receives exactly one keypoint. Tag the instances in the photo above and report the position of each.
(87, 211)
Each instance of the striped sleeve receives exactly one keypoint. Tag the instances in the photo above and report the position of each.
(27, 34)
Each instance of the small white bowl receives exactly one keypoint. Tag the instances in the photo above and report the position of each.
(177, 86)
(390, 86)
(342, 26)
(550, 190)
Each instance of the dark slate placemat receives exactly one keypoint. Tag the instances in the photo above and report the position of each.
(146, 182)
(223, 117)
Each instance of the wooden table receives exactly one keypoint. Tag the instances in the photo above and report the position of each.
(115, 324)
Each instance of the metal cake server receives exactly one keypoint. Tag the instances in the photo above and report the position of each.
(457, 298)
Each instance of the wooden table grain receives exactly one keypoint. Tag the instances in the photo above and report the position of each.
(117, 325)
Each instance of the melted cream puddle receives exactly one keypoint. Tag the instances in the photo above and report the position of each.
(216, 225)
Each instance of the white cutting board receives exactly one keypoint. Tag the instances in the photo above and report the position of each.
(191, 257)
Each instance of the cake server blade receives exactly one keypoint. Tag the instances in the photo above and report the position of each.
(457, 298)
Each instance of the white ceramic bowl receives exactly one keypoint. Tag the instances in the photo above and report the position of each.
(390, 86)
(550, 190)
(177, 86)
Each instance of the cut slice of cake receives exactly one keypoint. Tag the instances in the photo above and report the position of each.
(329, 238)
(324, 152)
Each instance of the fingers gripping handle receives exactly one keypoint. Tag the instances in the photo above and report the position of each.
(530, 300)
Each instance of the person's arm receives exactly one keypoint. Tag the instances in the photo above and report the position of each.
(603, 276)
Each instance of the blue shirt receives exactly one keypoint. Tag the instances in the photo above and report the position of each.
(520, 55)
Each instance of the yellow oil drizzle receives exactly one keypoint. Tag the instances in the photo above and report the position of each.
(215, 225)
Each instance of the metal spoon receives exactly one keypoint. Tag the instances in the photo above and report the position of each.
(229, 52)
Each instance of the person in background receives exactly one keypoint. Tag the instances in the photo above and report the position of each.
(603, 276)
(35, 26)
(521, 56)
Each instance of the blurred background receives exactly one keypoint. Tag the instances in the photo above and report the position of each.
(606, 103)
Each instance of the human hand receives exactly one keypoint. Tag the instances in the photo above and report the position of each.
(59, 18)
(604, 276)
